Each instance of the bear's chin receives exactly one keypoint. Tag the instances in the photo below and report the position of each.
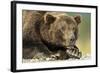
(54, 47)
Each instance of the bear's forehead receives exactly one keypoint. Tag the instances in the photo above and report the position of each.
(62, 20)
(62, 26)
(65, 20)
(62, 16)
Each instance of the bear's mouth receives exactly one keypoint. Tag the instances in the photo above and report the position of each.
(54, 47)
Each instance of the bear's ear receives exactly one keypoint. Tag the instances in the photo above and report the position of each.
(49, 19)
(77, 19)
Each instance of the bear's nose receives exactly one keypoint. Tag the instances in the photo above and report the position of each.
(72, 39)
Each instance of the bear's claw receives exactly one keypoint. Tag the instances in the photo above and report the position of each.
(73, 52)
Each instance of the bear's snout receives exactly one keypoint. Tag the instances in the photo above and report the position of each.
(72, 38)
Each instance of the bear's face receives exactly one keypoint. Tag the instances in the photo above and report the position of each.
(60, 29)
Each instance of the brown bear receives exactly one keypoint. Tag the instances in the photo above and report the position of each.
(49, 34)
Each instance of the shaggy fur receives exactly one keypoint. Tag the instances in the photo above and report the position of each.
(55, 31)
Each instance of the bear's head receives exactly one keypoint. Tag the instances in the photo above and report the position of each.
(60, 28)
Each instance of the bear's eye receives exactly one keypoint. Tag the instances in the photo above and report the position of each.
(60, 32)
(59, 35)
(63, 28)
(70, 28)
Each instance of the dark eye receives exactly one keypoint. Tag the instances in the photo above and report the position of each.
(59, 35)
(63, 28)
(71, 28)
(60, 32)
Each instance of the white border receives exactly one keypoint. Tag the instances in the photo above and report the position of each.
(68, 63)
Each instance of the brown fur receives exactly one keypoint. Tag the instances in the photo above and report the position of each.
(62, 31)
(56, 28)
